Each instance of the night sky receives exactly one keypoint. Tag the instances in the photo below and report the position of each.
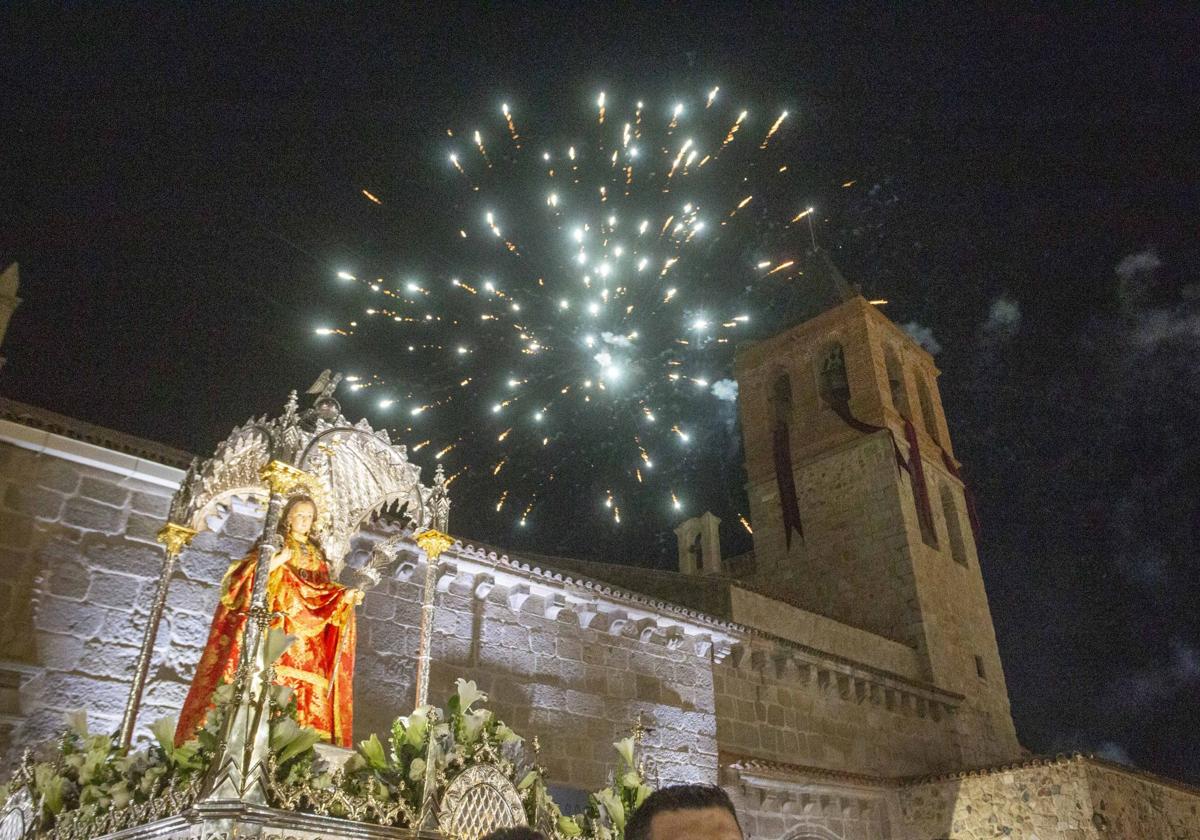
(179, 191)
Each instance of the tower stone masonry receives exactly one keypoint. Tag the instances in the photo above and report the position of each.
(887, 543)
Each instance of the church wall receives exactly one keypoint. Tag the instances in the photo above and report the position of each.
(77, 569)
(578, 688)
(773, 616)
(783, 705)
(853, 564)
(1071, 798)
(958, 627)
(810, 809)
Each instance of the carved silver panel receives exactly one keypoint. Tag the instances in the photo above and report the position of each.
(481, 799)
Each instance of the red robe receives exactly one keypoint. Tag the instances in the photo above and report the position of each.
(319, 665)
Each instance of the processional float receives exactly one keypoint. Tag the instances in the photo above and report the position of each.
(353, 474)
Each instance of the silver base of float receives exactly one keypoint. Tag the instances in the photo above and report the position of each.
(219, 821)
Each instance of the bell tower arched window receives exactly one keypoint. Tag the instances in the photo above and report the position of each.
(895, 375)
(835, 386)
(928, 416)
(958, 549)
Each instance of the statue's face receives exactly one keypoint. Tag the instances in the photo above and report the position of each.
(300, 519)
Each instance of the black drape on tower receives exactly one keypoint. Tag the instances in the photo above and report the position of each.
(972, 516)
(920, 489)
(785, 478)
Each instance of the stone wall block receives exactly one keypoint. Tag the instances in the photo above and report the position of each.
(165, 693)
(59, 651)
(69, 580)
(379, 605)
(38, 502)
(106, 492)
(192, 596)
(74, 618)
(89, 515)
(152, 504)
(118, 555)
(234, 548)
(105, 659)
(142, 527)
(243, 526)
(387, 637)
(204, 566)
(44, 723)
(190, 629)
(112, 589)
(123, 627)
(77, 691)
(55, 474)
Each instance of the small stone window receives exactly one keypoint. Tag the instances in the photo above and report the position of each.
(979, 668)
(958, 549)
(928, 415)
(895, 375)
(835, 386)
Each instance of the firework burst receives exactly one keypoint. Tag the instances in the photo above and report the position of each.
(577, 349)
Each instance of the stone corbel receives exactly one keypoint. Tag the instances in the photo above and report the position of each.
(446, 575)
(554, 605)
(616, 622)
(646, 628)
(518, 594)
(586, 611)
(780, 659)
(484, 584)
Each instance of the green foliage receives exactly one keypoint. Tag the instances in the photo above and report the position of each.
(89, 771)
(92, 772)
(609, 809)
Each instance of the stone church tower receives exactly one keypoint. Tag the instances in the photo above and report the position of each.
(859, 513)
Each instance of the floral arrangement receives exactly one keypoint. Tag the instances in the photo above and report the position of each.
(84, 776)
(465, 735)
(89, 779)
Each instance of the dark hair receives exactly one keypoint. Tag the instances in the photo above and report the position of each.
(519, 832)
(676, 798)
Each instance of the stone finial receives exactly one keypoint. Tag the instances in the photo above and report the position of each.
(699, 545)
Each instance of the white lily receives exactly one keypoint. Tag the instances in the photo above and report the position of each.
(468, 693)
(624, 748)
(614, 808)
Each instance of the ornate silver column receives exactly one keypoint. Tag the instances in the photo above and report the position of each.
(433, 543)
(174, 539)
(241, 771)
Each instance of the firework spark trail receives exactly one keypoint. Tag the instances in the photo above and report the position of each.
(567, 323)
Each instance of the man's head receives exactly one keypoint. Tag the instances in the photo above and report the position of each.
(685, 812)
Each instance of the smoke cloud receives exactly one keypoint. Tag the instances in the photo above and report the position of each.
(923, 336)
(725, 389)
(1004, 318)
(1141, 262)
